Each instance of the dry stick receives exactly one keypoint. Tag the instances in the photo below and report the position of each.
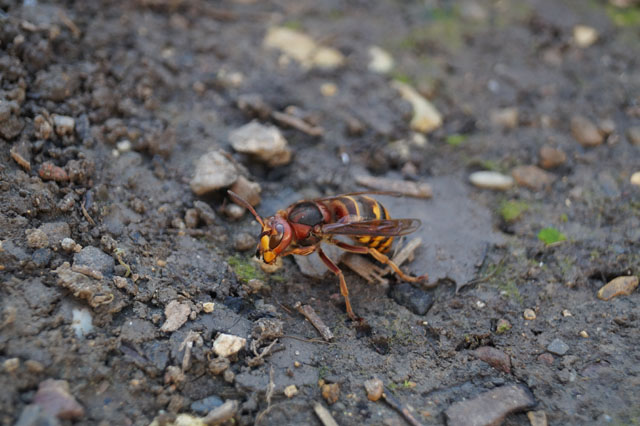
(297, 123)
(396, 405)
(270, 388)
(324, 415)
(315, 320)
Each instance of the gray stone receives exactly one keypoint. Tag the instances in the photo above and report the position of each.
(95, 259)
(203, 406)
(214, 170)
(489, 408)
(416, 300)
(558, 347)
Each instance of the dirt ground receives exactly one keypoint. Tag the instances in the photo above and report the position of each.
(106, 108)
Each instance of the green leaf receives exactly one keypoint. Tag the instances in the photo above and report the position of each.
(551, 235)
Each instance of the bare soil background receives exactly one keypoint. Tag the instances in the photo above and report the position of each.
(150, 86)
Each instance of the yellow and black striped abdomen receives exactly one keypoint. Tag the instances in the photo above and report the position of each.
(362, 208)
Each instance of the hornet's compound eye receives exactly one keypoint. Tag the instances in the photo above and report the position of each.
(274, 240)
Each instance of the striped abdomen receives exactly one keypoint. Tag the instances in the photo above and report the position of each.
(360, 208)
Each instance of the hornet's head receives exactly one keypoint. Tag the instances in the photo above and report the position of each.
(276, 232)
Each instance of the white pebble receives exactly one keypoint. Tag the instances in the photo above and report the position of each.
(226, 345)
(81, 323)
(491, 180)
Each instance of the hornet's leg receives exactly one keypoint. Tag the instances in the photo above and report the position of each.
(343, 284)
(382, 258)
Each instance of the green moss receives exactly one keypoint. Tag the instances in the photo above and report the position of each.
(244, 268)
(402, 78)
(456, 139)
(564, 218)
(551, 236)
(503, 327)
(293, 25)
(624, 17)
(511, 210)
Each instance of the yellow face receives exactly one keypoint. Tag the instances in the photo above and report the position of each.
(267, 254)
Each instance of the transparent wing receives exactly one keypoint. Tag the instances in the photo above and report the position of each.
(376, 227)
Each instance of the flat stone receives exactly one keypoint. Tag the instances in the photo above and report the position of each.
(265, 143)
(248, 190)
(491, 180)
(619, 286)
(489, 408)
(558, 347)
(214, 170)
(177, 314)
(494, 357)
(94, 259)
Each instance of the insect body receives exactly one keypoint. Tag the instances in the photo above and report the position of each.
(303, 226)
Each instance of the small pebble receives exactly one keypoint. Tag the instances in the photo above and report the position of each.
(49, 171)
(620, 286)
(505, 117)
(33, 366)
(584, 334)
(10, 365)
(494, 357)
(226, 345)
(290, 391)
(537, 418)
(203, 406)
(191, 218)
(491, 180)
(205, 212)
(529, 314)
(218, 365)
(69, 245)
(213, 171)
(255, 285)
(551, 157)
(234, 211)
(297, 364)
(228, 376)
(546, 357)
(585, 131)
(633, 134)
(503, 326)
(380, 61)
(43, 127)
(331, 392)
(161, 263)
(249, 191)
(124, 145)
(532, 177)
(426, 118)
(374, 388)
(607, 126)
(635, 179)
(302, 48)
(584, 36)
(64, 125)
(265, 143)
(177, 314)
(566, 313)
(208, 307)
(558, 347)
(328, 89)
(37, 238)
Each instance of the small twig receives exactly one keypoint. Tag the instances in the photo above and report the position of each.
(258, 359)
(405, 187)
(86, 215)
(324, 415)
(396, 405)
(187, 345)
(307, 340)
(315, 320)
(297, 123)
(269, 394)
(69, 23)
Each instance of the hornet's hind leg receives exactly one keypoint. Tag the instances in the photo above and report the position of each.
(343, 284)
(382, 258)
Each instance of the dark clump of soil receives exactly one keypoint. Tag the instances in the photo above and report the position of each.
(125, 297)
